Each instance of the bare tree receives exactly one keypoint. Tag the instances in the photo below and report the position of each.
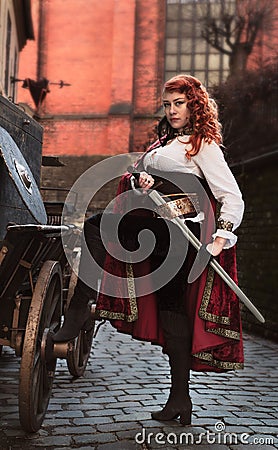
(234, 27)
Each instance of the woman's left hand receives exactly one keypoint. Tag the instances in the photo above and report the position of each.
(216, 246)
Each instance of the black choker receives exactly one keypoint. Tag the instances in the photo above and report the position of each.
(184, 132)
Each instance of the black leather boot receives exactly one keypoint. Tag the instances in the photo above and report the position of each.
(177, 337)
(78, 315)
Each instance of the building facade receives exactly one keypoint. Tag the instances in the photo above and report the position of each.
(101, 65)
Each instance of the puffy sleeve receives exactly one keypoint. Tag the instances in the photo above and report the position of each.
(224, 187)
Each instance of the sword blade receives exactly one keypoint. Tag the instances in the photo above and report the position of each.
(158, 200)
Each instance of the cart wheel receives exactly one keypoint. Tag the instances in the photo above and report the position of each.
(80, 350)
(36, 376)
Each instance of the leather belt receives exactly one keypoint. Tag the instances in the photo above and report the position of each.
(186, 205)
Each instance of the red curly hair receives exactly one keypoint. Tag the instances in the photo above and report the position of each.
(203, 113)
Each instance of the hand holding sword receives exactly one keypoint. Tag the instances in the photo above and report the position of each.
(146, 182)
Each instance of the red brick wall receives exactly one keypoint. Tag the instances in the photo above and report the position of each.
(111, 52)
(149, 69)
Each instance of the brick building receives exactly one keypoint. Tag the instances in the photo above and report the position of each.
(111, 54)
(115, 54)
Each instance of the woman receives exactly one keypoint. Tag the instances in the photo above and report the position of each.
(197, 323)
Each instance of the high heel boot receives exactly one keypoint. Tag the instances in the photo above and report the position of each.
(78, 315)
(177, 339)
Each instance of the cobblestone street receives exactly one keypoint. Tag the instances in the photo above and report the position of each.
(109, 408)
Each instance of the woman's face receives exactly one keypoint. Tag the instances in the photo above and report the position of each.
(175, 107)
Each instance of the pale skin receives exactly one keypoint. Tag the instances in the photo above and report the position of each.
(178, 114)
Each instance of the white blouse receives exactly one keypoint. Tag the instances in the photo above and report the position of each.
(210, 164)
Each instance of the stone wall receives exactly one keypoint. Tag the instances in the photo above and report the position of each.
(258, 242)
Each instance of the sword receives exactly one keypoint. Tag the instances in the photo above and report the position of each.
(158, 200)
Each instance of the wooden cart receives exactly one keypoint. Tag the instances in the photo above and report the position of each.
(36, 282)
(38, 265)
